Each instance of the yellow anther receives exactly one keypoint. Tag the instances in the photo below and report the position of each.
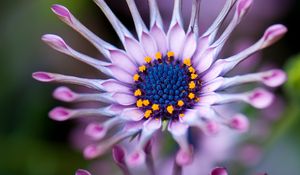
(191, 95)
(187, 62)
(147, 113)
(148, 59)
(136, 77)
(158, 55)
(146, 102)
(197, 99)
(170, 54)
(155, 107)
(137, 92)
(142, 68)
(181, 115)
(194, 76)
(192, 70)
(192, 85)
(170, 109)
(139, 103)
(180, 103)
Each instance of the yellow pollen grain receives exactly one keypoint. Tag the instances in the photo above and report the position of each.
(170, 109)
(137, 92)
(181, 115)
(191, 95)
(191, 69)
(142, 68)
(136, 77)
(146, 102)
(180, 103)
(187, 62)
(158, 55)
(170, 54)
(194, 76)
(147, 113)
(192, 85)
(148, 59)
(155, 107)
(139, 103)
(197, 99)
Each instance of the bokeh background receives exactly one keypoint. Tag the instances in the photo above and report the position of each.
(32, 144)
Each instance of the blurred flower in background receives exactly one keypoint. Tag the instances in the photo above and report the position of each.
(43, 143)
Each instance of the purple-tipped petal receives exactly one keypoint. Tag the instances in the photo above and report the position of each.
(136, 158)
(261, 98)
(55, 41)
(82, 172)
(274, 78)
(43, 76)
(119, 158)
(273, 34)
(64, 94)
(92, 151)
(96, 131)
(60, 114)
(219, 171)
(239, 122)
(62, 12)
(184, 157)
(212, 128)
(119, 155)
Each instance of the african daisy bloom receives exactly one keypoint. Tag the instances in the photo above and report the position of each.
(162, 79)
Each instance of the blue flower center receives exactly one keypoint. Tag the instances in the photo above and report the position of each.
(165, 87)
(165, 83)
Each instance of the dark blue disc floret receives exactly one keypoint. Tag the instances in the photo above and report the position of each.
(167, 88)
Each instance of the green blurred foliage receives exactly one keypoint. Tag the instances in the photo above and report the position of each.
(293, 84)
(30, 143)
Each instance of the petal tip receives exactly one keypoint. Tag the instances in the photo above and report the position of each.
(261, 98)
(275, 78)
(64, 94)
(219, 171)
(60, 114)
(91, 152)
(239, 122)
(82, 172)
(273, 34)
(136, 158)
(95, 131)
(42, 76)
(54, 41)
(184, 157)
(61, 11)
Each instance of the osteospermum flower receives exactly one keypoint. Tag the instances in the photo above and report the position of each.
(165, 78)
